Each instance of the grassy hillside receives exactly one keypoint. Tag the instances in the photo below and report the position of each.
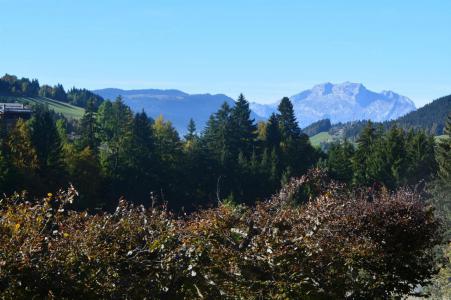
(68, 110)
(319, 138)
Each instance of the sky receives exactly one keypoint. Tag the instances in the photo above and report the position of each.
(264, 49)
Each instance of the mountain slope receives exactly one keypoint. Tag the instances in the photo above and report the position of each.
(68, 110)
(342, 103)
(430, 117)
(176, 106)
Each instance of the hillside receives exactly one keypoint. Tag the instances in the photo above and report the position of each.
(430, 117)
(68, 110)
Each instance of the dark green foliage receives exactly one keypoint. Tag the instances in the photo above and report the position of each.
(431, 118)
(339, 162)
(317, 127)
(112, 152)
(444, 152)
(84, 98)
(47, 143)
(243, 128)
(392, 158)
(12, 86)
(88, 129)
(191, 131)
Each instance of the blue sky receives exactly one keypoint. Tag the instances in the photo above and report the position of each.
(265, 49)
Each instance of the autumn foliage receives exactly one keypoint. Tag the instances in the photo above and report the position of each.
(316, 239)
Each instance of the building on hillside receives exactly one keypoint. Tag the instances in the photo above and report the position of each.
(11, 112)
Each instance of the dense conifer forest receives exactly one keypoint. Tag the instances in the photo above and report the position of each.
(224, 178)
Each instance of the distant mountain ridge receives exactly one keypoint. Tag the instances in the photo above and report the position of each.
(338, 102)
(342, 102)
(175, 106)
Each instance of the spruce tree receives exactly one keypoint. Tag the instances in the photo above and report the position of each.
(47, 143)
(243, 127)
(339, 161)
(287, 121)
(421, 163)
(297, 153)
(273, 135)
(88, 136)
(363, 152)
(444, 153)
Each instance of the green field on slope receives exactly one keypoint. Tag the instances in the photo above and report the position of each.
(319, 138)
(68, 110)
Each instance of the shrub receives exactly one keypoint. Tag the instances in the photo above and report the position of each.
(339, 244)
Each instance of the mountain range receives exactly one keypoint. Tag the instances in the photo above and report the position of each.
(338, 102)
(342, 102)
(175, 106)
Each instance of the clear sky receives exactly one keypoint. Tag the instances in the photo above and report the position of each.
(265, 49)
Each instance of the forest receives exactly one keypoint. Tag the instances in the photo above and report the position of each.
(258, 194)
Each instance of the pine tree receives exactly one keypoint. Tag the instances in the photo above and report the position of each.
(421, 163)
(243, 127)
(287, 121)
(395, 157)
(296, 151)
(191, 135)
(444, 153)
(47, 143)
(363, 152)
(218, 135)
(142, 159)
(115, 121)
(339, 161)
(88, 128)
(273, 135)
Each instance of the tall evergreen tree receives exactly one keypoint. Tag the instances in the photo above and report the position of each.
(191, 131)
(47, 143)
(273, 135)
(287, 121)
(115, 121)
(420, 156)
(364, 149)
(444, 152)
(297, 153)
(339, 161)
(243, 127)
(88, 135)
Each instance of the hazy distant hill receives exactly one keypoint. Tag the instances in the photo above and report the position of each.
(176, 106)
(342, 103)
(430, 117)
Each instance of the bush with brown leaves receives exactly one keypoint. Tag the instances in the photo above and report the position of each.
(339, 244)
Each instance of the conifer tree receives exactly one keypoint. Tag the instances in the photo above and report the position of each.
(421, 163)
(88, 128)
(47, 143)
(287, 121)
(444, 153)
(273, 135)
(339, 161)
(142, 159)
(297, 153)
(243, 127)
(364, 149)
(191, 131)
(115, 121)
